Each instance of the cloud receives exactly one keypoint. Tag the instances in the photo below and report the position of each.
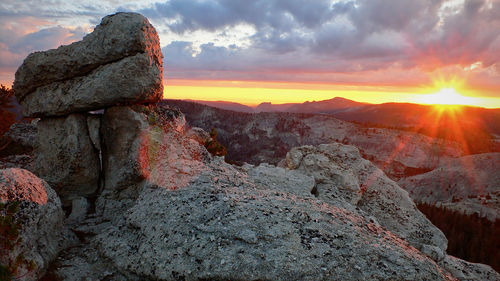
(308, 37)
(339, 41)
(22, 36)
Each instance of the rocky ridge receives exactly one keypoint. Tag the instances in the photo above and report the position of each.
(148, 202)
(468, 184)
(267, 137)
(215, 221)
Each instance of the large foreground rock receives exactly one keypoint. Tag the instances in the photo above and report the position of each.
(197, 218)
(469, 184)
(116, 37)
(66, 157)
(39, 218)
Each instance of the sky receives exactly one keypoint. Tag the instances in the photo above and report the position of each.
(289, 50)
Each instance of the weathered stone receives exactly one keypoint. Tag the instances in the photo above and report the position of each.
(66, 158)
(468, 271)
(39, 216)
(79, 208)
(134, 79)
(118, 36)
(468, 184)
(199, 218)
(135, 141)
(342, 175)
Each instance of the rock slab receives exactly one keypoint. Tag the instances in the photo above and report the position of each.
(116, 37)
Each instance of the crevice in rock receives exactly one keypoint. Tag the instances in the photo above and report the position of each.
(97, 149)
(314, 191)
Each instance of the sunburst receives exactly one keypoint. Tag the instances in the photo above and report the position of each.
(446, 96)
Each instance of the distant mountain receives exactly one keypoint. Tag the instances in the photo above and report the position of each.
(478, 129)
(226, 105)
(336, 104)
(325, 106)
(267, 137)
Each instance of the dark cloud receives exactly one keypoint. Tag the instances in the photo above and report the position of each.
(211, 15)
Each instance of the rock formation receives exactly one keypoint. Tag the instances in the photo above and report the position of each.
(66, 158)
(86, 75)
(469, 184)
(199, 218)
(267, 137)
(38, 219)
(120, 63)
(341, 174)
(163, 208)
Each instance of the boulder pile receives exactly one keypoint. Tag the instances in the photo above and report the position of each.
(117, 69)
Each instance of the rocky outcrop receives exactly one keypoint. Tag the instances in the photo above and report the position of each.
(199, 218)
(168, 210)
(267, 137)
(16, 146)
(134, 144)
(342, 175)
(468, 184)
(66, 158)
(20, 139)
(117, 36)
(119, 63)
(34, 210)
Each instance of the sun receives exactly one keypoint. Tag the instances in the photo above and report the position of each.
(446, 96)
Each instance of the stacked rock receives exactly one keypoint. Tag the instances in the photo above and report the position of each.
(117, 67)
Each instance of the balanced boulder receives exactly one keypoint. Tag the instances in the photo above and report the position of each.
(119, 63)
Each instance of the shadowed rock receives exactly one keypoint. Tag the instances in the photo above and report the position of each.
(66, 158)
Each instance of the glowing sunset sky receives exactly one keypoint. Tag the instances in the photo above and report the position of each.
(289, 50)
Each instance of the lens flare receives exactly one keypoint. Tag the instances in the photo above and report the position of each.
(447, 96)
